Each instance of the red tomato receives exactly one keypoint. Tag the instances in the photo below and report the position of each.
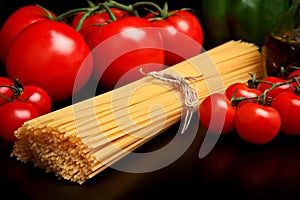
(122, 47)
(242, 90)
(49, 54)
(216, 114)
(5, 91)
(95, 21)
(38, 97)
(274, 92)
(13, 115)
(256, 123)
(182, 34)
(295, 73)
(16, 22)
(288, 106)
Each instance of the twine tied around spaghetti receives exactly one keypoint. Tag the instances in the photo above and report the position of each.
(190, 95)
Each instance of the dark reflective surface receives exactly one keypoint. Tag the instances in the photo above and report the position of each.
(233, 168)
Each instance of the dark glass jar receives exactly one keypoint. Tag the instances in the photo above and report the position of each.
(281, 50)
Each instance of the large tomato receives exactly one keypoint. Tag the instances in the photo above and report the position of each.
(13, 115)
(256, 123)
(122, 47)
(216, 114)
(288, 106)
(49, 54)
(96, 20)
(182, 34)
(16, 22)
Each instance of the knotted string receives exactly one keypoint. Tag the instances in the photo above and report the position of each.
(189, 93)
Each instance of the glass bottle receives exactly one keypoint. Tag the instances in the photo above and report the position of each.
(281, 49)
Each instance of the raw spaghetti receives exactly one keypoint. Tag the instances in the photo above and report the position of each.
(79, 141)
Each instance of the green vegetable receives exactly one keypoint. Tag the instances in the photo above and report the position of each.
(249, 20)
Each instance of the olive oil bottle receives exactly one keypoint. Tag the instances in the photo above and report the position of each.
(281, 50)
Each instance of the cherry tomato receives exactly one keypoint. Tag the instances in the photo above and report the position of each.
(274, 92)
(49, 54)
(95, 21)
(241, 90)
(13, 115)
(295, 73)
(38, 97)
(182, 34)
(216, 114)
(256, 123)
(288, 106)
(122, 47)
(5, 91)
(16, 22)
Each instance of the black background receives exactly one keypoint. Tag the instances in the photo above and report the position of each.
(233, 169)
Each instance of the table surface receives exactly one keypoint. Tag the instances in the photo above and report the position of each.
(234, 168)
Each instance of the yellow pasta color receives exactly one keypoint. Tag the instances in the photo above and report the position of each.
(81, 140)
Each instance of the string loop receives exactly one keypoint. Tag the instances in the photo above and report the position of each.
(190, 95)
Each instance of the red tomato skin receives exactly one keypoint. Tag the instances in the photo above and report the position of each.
(273, 93)
(256, 123)
(179, 48)
(95, 21)
(16, 22)
(294, 74)
(288, 106)
(213, 110)
(38, 97)
(5, 91)
(13, 115)
(49, 54)
(242, 90)
(122, 47)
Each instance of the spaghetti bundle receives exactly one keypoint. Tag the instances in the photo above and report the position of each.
(79, 141)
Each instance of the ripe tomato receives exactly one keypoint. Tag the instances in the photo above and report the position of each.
(5, 91)
(273, 80)
(95, 21)
(49, 54)
(256, 123)
(122, 47)
(216, 114)
(288, 106)
(295, 73)
(242, 90)
(13, 115)
(38, 97)
(16, 22)
(182, 34)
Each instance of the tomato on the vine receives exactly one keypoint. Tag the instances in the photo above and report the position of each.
(288, 106)
(256, 123)
(50, 54)
(239, 89)
(96, 20)
(216, 114)
(17, 21)
(295, 73)
(5, 92)
(267, 83)
(182, 34)
(120, 48)
(13, 115)
(38, 97)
